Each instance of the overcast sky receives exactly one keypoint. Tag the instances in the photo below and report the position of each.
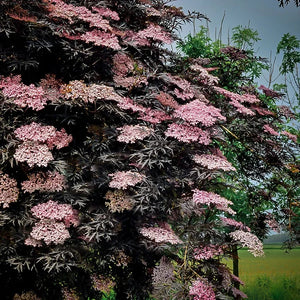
(271, 21)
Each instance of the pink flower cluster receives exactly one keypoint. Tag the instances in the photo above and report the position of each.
(77, 89)
(207, 252)
(198, 112)
(187, 133)
(107, 13)
(60, 9)
(291, 136)
(44, 182)
(270, 93)
(241, 108)
(272, 223)
(124, 179)
(130, 81)
(134, 39)
(209, 198)
(49, 231)
(203, 75)
(163, 273)
(237, 99)
(156, 33)
(132, 133)
(58, 212)
(153, 116)
(122, 64)
(248, 98)
(69, 294)
(202, 291)
(100, 38)
(118, 201)
(51, 86)
(167, 100)
(54, 220)
(249, 240)
(23, 95)
(270, 130)
(160, 235)
(36, 132)
(34, 153)
(212, 162)
(102, 284)
(262, 111)
(234, 223)
(183, 84)
(285, 111)
(9, 191)
(37, 140)
(128, 104)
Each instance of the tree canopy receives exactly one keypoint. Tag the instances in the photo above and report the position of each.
(113, 167)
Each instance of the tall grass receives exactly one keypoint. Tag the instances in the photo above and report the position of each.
(276, 276)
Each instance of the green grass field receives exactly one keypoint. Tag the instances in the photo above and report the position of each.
(276, 276)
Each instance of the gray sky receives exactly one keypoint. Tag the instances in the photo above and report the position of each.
(271, 21)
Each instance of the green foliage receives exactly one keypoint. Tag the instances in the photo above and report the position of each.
(200, 45)
(235, 65)
(289, 46)
(244, 37)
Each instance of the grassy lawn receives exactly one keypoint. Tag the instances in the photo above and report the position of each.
(276, 276)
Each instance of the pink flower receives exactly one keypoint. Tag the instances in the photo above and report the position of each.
(33, 242)
(23, 95)
(35, 132)
(102, 284)
(134, 39)
(54, 211)
(70, 294)
(241, 108)
(107, 13)
(160, 235)
(154, 116)
(198, 112)
(60, 140)
(202, 291)
(209, 198)
(212, 162)
(44, 134)
(100, 38)
(203, 75)
(33, 153)
(9, 191)
(44, 182)
(118, 201)
(270, 130)
(207, 252)
(237, 97)
(234, 223)
(128, 104)
(123, 64)
(167, 100)
(262, 111)
(77, 89)
(124, 179)
(249, 240)
(187, 133)
(131, 133)
(156, 33)
(270, 93)
(60, 9)
(50, 231)
(291, 136)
